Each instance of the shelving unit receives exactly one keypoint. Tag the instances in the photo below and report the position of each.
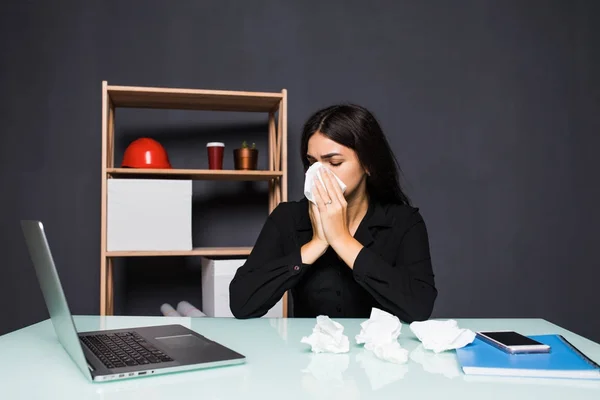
(274, 105)
(205, 174)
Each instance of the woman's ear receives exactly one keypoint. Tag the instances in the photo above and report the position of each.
(366, 170)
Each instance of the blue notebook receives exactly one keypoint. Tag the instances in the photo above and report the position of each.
(563, 361)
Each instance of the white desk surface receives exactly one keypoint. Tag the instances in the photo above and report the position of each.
(34, 365)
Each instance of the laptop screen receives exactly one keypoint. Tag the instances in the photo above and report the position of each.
(54, 296)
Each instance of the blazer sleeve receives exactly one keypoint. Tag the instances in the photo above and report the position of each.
(405, 288)
(273, 267)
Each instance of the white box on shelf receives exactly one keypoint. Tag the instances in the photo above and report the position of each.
(216, 277)
(149, 215)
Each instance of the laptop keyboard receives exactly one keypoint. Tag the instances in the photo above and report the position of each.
(124, 349)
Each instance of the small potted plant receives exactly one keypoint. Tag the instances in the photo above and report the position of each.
(246, 157)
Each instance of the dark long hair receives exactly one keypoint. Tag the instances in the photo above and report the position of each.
(355, 127)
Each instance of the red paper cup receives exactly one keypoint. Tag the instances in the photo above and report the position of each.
(215, 155)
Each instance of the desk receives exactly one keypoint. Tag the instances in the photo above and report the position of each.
(33, 365)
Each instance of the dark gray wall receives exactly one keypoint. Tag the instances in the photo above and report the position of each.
(490, 106)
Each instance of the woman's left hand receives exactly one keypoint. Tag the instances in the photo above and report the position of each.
(332, 208)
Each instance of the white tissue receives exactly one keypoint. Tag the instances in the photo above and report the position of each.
(327, 337)
(380, 335)
(310, 175)
(440, 336)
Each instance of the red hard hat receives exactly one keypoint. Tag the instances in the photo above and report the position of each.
(145, 153)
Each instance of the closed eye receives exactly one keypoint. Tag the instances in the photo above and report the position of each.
(312, 160)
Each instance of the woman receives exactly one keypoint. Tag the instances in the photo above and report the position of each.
(349, 252)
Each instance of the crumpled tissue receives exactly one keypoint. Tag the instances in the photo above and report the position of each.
(310, 175)
(440, 336)
(327, 337)
(380, 335)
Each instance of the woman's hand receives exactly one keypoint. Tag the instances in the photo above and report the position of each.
(315, 219)
(314, 249)
(331, 206)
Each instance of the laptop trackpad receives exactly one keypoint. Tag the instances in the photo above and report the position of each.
(182, 341)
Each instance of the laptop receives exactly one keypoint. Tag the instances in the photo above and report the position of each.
(115, 354)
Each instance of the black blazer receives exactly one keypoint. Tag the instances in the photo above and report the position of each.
(392, 272)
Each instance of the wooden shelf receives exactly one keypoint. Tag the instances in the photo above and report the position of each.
(193, 99)
(273, 104)
(206, 174)
(200, 251)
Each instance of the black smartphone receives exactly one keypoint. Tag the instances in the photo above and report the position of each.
(513, 342)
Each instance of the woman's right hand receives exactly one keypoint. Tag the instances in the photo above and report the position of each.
(315, 219)
(314, 249)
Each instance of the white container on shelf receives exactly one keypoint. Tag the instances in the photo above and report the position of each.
(149, 215)
(216, 277)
